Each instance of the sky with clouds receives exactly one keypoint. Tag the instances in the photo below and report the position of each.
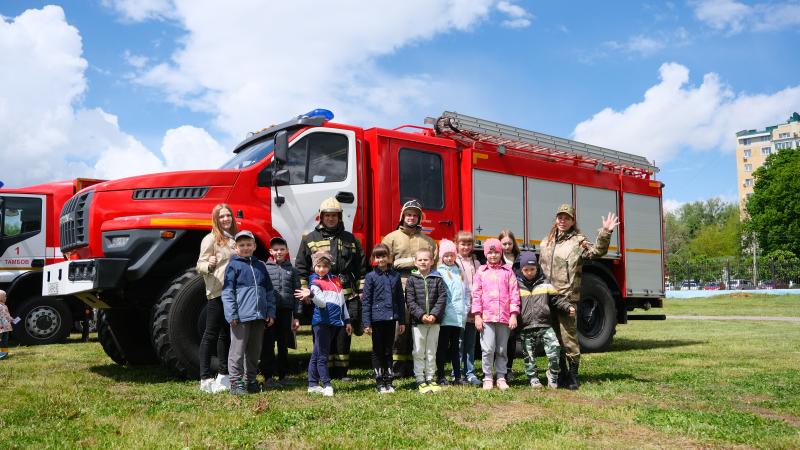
(112, 88)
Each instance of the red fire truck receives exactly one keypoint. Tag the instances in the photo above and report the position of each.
(133, 243)
(29, 239)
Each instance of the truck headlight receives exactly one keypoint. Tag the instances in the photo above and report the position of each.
(81, 271)
(118, 241)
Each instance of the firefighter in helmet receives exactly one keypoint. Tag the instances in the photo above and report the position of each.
(403, 244)
(347, 262)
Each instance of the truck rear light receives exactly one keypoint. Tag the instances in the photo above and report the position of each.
(167, 234)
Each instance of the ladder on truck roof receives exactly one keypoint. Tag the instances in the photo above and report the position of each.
(471, 130)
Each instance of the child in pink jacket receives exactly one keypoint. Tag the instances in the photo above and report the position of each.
(495, 306)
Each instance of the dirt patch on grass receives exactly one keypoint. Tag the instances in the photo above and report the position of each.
(602, 433)
(770, 414)
(496, 416)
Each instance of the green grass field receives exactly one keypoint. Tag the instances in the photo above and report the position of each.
(674, 384)
(745, 304)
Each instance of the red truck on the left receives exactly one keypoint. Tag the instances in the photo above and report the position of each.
(29, 239)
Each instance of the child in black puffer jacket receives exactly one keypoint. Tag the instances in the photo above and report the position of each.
(537, 297)
(285, 280)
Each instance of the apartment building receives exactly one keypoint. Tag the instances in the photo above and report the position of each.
(753, 147)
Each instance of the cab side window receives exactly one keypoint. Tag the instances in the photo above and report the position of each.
(421, 178)
(20, 215)
(318, 158)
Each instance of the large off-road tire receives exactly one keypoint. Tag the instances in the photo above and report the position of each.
(130, 327)
(597, 315)
(107, 340)
(45, 320)
(178, 324)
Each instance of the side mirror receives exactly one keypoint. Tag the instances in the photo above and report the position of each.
(280, 177)
(281, 147)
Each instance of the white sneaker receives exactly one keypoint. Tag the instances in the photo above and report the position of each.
(221, 384)
(206, 385)
(535, 383)
(315, 390)
(552, 380)
(327, 391)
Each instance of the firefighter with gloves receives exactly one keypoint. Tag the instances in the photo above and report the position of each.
(403, 244)
(348, 263)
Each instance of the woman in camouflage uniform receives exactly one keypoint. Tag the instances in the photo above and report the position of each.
(563, 252)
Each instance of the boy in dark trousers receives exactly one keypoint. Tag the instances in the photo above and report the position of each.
(383, 307)
(248, 302)
(285, 280)
(330, 316)
(426, 298)
(537, 297)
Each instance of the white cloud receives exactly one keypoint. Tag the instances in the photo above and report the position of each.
(733, 17)
(644, 45)
(672, 205)
(135, 61)
(138, 10)
(675, 115)
(249, 67)
(45, 132)
(518, 17)
(728, 15)
(188, 147)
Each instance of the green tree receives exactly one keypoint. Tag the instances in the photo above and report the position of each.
(774, 207)
(717, 239)
(714, 222)
(676, 235)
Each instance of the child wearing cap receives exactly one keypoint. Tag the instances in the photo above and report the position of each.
(249, 302)
(285, 281)
(455, 313)
(537, 298)
(495, 306)
(330, 314)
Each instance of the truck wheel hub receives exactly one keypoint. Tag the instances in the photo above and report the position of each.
(42, 322)
(590, 316)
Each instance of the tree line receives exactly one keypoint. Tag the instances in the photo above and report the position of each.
(705, 239)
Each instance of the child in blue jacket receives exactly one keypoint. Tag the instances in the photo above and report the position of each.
(248, 301)
(384, 305)
(455, 314)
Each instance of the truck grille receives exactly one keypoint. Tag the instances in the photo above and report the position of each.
(74, 221)
(170, 193)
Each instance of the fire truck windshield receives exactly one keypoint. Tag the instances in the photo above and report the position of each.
(250, 155)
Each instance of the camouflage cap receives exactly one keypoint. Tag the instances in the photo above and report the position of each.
(566, 209)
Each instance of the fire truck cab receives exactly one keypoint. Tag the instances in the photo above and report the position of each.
(133, 243)
(29, 239)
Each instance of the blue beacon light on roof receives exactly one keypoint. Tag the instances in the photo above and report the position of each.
(327, 114)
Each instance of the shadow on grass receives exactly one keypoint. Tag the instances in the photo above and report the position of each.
(624, 344)
(135, 374)
(605, 377)
(71, 339)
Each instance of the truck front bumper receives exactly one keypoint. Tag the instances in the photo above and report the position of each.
(84, 278)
